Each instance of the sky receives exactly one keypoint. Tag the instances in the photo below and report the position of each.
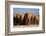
(25, 10)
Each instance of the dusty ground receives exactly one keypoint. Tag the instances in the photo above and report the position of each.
(18, 26)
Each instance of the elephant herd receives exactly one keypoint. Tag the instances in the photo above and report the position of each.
(26, 19)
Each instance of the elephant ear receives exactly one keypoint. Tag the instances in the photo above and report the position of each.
(18, 15)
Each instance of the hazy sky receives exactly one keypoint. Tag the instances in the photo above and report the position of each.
(25, 10)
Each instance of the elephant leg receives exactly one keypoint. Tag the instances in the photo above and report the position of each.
(27, 21)
(37, 22)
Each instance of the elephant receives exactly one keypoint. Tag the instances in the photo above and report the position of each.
(37, 20)
(27, 18)
(18, 20)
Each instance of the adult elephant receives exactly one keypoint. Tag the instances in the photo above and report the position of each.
(18, 20)
(37, 20)
(27, 18)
